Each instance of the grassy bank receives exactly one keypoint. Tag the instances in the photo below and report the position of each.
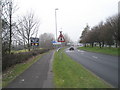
(17, 69)
(104, 50)
(19, 51)
(70, 74)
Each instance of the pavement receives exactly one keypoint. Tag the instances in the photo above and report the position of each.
(103, 66)
(39, 75)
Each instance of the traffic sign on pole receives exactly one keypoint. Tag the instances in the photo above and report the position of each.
(34, 41)
(61, 37)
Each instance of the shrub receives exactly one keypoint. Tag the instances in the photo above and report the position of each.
(9, 60)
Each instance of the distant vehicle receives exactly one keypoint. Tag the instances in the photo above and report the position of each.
(71, 48)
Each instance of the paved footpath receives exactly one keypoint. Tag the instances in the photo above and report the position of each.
(39, 75)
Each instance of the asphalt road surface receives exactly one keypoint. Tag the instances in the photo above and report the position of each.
(39, 75)
(104, 66)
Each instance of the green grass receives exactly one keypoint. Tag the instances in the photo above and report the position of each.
(18, 51)
(70, 74)
(0, 80)
(24, 50)
(104, 50)
(16, 70)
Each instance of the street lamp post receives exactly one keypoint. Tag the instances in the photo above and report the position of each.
(56, 22)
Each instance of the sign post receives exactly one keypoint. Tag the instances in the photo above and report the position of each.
(34, 42)
(61, 39)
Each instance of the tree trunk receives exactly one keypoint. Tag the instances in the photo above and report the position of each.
(109, 46)
(103, 44)
(28, 45)
(100, 44)
(116, 44)
(92, 44)
(85, 45)
(10, 29)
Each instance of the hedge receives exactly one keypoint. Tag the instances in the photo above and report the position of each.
(9, 60)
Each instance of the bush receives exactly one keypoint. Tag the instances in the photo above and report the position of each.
(9, 60)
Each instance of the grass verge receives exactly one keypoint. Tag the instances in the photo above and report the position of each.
(104, 50)
(70, 74)
(23, 50)
(19, 51)
(17, 69)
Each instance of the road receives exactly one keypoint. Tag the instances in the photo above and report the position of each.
(39, 75)
(104, 66)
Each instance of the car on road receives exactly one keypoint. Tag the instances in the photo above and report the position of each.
(71, 48)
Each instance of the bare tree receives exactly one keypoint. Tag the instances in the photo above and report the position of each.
(20, 32)
(28, 27)
(0, 42)
(67, 38)
(8, 8)
(91, 37)
(84, 35)
(112, 23)
(46, 40)
(103, 33)
(100, 34)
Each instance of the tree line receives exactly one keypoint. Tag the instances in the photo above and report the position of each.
(46, 39)
(105, 33)
(16, 33)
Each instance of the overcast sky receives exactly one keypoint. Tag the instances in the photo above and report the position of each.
(72, 16)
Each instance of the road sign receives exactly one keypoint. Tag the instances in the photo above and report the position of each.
(61, 37)
(34, 41)
(56, 43)
(53, 41)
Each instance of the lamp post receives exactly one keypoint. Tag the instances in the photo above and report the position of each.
(56, 22)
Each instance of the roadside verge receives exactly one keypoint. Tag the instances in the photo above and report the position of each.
(104, 50)
(70, 74)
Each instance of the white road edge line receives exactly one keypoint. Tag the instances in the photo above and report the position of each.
(80, 51)
(95, 57)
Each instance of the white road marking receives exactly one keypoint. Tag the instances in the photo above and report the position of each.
(22, 80)
(95, 57)
(80, 51)
(69, 51)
